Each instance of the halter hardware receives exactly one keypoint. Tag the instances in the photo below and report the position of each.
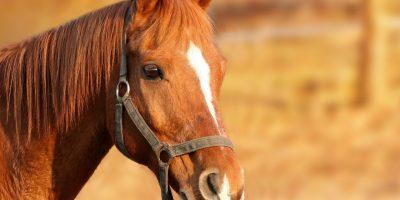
(164, 152)
(125, 83)
(164, 155)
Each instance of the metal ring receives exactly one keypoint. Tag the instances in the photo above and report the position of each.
(165, 148)
(128, 89)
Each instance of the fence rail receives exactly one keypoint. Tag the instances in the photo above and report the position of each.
(300, 31)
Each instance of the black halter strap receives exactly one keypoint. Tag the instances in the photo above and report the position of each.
(164, 152)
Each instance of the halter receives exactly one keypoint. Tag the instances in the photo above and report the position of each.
(165, 152)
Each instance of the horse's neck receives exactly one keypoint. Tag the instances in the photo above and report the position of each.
(53, 166)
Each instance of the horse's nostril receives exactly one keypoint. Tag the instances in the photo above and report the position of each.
(214, 183)
(210, 184)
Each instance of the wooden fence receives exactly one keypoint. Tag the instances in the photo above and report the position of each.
(371, 34)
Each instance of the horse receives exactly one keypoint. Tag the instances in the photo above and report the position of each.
(59, 113)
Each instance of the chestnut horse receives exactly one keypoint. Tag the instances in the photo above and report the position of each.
(57, 101)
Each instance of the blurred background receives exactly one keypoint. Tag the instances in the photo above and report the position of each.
(311, 97)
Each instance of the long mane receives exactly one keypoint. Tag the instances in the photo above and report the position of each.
(48, 80)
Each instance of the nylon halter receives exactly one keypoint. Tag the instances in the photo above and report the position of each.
(164, 152)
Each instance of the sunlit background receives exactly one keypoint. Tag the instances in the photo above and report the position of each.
(311, 97)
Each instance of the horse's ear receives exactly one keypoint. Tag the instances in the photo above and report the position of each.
(145, 6)
(203, 3)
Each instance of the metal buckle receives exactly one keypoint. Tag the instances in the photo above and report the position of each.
(128, 89)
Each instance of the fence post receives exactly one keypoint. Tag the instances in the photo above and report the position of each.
(372, 75)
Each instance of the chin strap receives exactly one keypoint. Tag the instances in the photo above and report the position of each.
(164, 152)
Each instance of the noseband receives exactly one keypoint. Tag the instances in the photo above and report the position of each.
(165, 152)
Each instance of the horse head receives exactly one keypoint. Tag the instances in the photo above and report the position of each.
(175, 72)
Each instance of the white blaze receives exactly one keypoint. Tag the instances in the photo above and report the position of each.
(242, 174)
(202, 69)
(242, 198)
(225, 190)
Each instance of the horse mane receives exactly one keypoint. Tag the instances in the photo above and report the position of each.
(179, 20)
(48, 80)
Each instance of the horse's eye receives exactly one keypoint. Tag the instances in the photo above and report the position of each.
(152, 72)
